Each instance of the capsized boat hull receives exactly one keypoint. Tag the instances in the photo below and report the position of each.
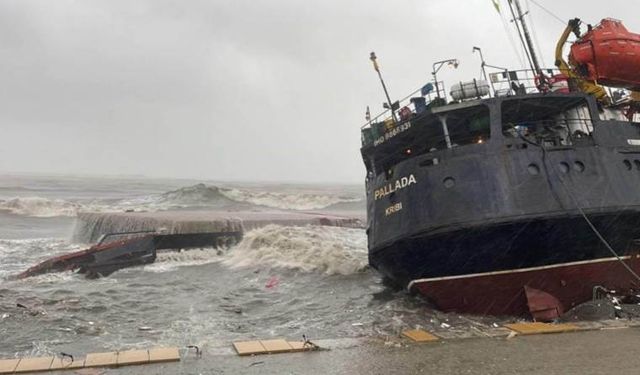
(105, 258)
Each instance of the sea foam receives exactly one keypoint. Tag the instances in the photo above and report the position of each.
(289, 201)
(40, 207)
(330, 250)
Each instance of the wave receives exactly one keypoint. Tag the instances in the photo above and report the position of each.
(199, 194)
(209, 196)
(195, 196)
(170, 260)
(189, 197)
(329, 250)
(16, 188)
(289, 201)
(40, 207)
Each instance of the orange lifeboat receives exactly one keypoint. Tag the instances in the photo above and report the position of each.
(608, 54)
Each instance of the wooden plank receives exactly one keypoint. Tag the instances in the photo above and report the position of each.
(101, 359)
(276, 346)
(64, 363)
(133, 357)
(419, 335)
(249, 347)
(34, 365)
(164, 355)
(298, 346)
(8, 366)
(533, 328)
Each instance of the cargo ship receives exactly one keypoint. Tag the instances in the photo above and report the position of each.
(520, 193)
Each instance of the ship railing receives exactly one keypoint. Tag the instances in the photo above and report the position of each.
(526, 81)
(503, 82)
(406, 102)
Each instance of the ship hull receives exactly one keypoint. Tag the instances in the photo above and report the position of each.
(505, 292)
(479, 269)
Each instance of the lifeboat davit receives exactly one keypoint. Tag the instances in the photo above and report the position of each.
(608, 54)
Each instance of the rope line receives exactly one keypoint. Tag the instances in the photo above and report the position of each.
(584, 216)
(563, 22)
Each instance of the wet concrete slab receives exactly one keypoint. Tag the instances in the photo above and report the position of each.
(91, 225)
(27, 365)
(101, 359)
(7, 366)
(67, 363)
(534, 328)
(419, 335)
(577, 348)
(133, 357)
(580, 352)
(164, 355)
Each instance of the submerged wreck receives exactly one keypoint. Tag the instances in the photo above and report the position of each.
(106, 257)
(522, 194)
(128, 239)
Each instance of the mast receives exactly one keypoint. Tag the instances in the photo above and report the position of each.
(373, 59)
(527, 37)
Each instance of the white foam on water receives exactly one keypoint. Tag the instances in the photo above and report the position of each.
(49, 278)
(18, 255)
(195, 196)
(290, 201)
(199, 195)
(331, 250)
(170, 260)
(40, 207)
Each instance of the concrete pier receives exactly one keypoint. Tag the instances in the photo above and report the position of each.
(91, 225)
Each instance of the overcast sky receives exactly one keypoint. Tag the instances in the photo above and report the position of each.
(233, 90)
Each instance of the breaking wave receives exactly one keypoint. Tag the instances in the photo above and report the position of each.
(195, 195)
(170, 260)
(198, 195)
(330, 250)
(189, 197)
(40, 207)
(290, 201)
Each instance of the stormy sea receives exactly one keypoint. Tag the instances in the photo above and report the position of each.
(278, 281)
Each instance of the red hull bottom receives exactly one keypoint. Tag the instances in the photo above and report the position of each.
(503, 292)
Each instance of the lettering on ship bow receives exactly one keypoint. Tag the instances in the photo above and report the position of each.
(394, 186)
(392, 133)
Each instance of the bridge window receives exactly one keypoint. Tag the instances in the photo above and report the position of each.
(551, 121)
(468, 126)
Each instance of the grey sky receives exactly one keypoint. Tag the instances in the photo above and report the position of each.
(232, 90)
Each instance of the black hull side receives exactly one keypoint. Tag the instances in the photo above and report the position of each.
(506, 246)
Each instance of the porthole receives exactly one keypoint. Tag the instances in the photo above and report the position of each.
(579, 166)
(564, 167)
(449, 182)
(533, 169)
(627, 164)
